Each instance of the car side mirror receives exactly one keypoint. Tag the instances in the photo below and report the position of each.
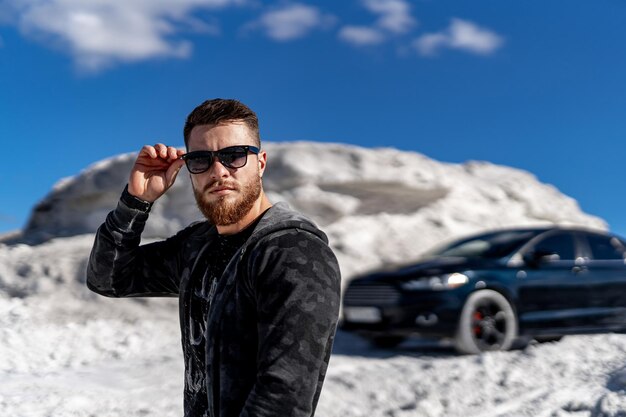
(536, 258)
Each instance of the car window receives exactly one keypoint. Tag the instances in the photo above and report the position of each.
(491, 245)
(561, 244)
(606, 247)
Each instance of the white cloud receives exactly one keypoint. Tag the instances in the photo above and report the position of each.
(291, 21)
(395, 15)
(361, 35)
(429, 43)
(462, 35)
(101, 32)
(394, 18)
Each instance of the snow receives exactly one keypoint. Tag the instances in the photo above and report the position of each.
(65, 351)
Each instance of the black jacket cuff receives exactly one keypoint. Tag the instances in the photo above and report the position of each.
(135, 203)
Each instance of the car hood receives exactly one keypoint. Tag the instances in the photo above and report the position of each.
(429, 267)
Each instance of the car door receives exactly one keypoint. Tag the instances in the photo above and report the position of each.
(552, 292)
(607, 277)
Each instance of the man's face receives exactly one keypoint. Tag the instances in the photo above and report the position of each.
(225, 195)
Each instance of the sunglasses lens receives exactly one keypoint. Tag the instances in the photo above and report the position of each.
(198, 165)
(233, 158)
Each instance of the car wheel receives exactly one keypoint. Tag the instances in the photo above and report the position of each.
(387, 342)
(487, 323)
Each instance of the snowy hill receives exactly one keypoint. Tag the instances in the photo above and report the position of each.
(67, 352)
(360, 197)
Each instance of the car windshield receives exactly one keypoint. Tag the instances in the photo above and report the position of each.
(491, 245)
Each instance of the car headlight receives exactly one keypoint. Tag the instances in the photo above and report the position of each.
(436, 282)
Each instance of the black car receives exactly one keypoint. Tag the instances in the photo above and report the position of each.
(496, 290)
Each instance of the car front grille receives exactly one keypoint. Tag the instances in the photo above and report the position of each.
(371, 294)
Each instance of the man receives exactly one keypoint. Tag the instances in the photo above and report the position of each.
(258, 285)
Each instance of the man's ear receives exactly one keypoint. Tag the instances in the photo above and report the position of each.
(262, 162)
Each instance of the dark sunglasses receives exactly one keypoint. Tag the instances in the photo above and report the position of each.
(232, 157)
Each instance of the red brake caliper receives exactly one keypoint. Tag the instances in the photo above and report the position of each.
(477, 318)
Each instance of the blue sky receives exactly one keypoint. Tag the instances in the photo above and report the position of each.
(533, 85)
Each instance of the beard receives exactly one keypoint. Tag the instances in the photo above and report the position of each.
(228, 210)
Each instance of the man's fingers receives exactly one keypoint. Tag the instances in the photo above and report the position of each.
(172, 152)
(161, 150)
(173, 171)
(166, 152)
(154, 171)
(148, 150)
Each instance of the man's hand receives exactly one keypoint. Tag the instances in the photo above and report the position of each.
(154, 171)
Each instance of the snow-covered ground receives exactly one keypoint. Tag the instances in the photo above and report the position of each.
(123, 358)
(65, 351)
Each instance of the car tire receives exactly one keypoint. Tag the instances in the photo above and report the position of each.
(487, 323)
(387, 342)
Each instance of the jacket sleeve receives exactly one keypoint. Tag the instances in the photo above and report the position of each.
(297, 290)
(119, 267)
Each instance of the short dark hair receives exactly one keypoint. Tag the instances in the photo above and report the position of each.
(220, 110)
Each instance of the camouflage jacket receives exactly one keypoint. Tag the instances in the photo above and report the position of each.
(271, 324)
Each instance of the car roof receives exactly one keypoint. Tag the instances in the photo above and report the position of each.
(541, 229)
(536, 230)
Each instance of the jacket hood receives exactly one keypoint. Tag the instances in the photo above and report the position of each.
(281, 217)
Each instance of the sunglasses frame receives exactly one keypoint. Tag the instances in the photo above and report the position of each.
(219, 154)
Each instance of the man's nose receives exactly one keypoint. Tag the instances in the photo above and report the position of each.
(217, 169)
